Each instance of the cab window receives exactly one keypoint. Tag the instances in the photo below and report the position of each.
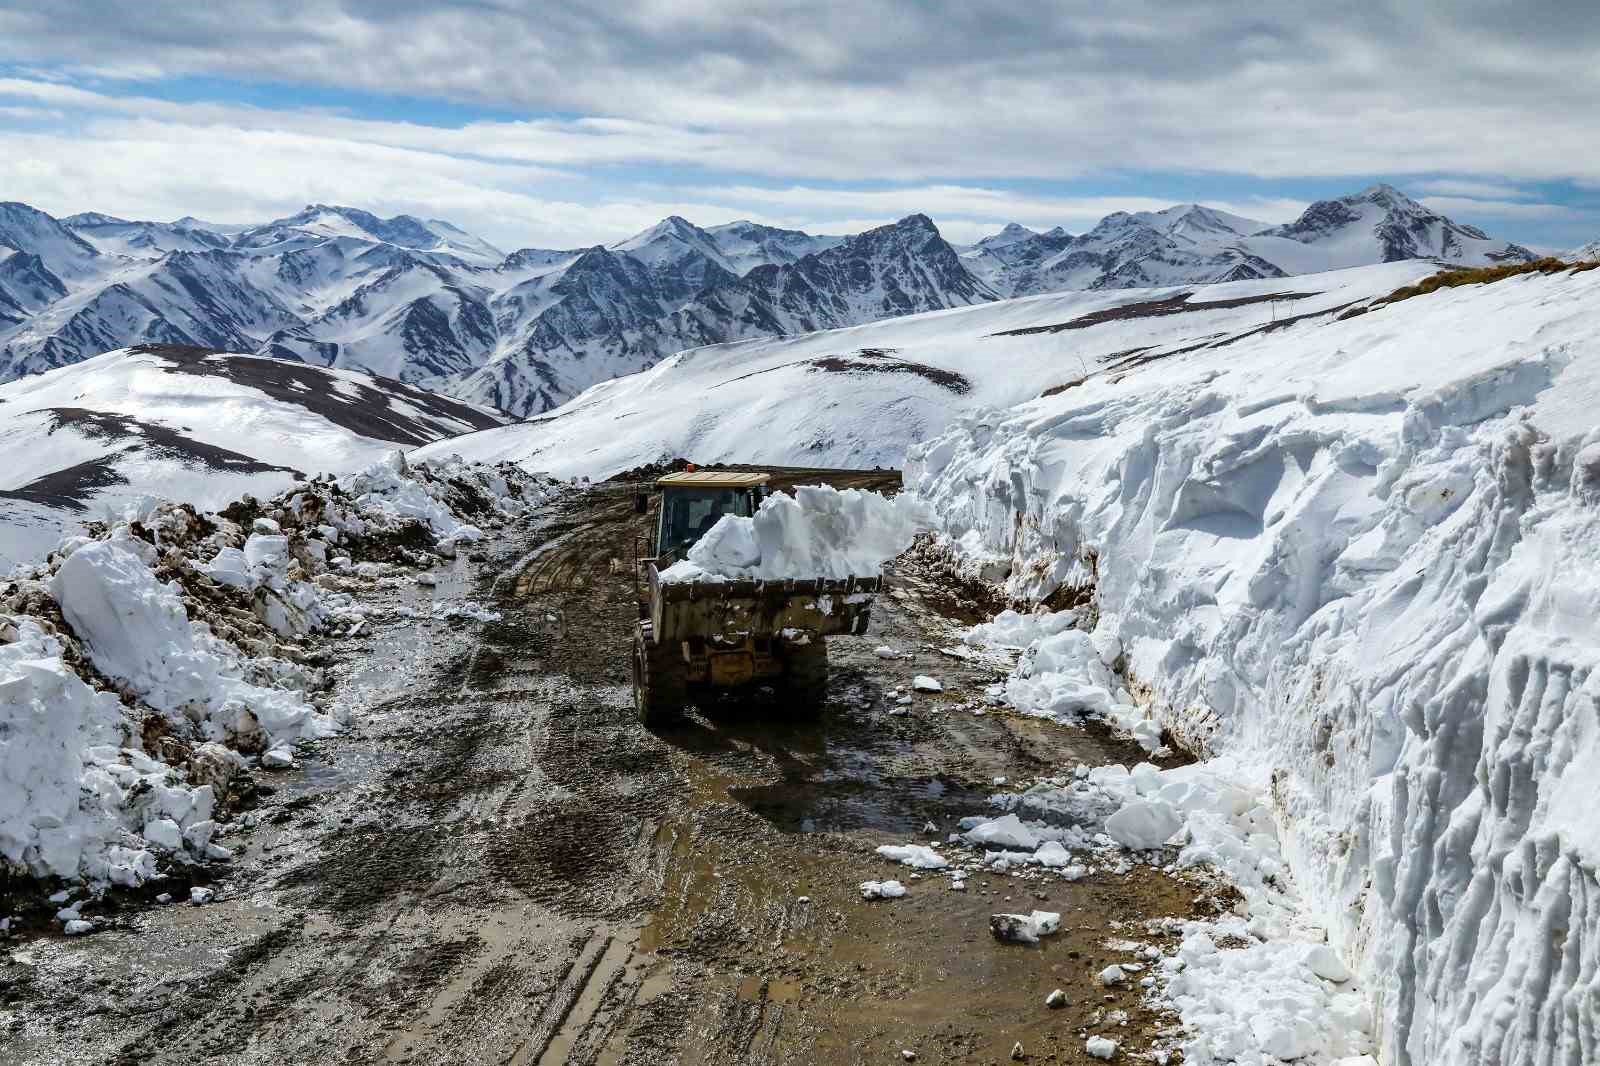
(688, 514)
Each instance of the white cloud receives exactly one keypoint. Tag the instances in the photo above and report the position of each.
(1463, 206)
(1476, 190)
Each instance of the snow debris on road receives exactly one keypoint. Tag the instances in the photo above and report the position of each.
(871, 890)
(818, 532)
(1024, 928)
(917, 856)
(195, 634)
(1100, 1047)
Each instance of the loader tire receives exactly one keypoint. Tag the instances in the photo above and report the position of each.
(659, 686)
(806, 676)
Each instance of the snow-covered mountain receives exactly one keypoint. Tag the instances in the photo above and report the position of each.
(424, 302)
(614, 310)
(1587, 253)
(1190, 244)
(193, 425)
(874, 390)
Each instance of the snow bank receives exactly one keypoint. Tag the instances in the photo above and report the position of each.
(217, 651)
(75, 801)
(136, 631)
(1364, 564)
(819, 531)
(383, 491)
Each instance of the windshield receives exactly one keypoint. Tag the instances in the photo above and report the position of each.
(688, 514)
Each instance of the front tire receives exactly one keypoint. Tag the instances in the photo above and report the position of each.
(659, 682)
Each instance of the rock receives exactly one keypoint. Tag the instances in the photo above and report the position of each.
(1016, 1052)
(201, 896)
(1056, 1000)
(886, 652)
(924, 683)
(803, 899)
(165, 897)
(1326, 964)
(1100, 1047)
(908, 1054)
(427, 580)
(266, 527)
(1112, 976)
(77, 927)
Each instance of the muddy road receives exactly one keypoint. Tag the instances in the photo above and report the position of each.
(498, 864)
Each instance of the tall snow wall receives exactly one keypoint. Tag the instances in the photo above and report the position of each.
(1362, 558)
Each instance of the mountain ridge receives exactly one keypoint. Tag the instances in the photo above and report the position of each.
(423, 301)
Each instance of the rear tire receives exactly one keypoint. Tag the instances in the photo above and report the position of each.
(659, 682)
(806, 675)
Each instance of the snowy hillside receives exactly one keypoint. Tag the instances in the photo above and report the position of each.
(422, 301)
(1190, 244)
(863, 396)
(1587, 253)
(193, 426)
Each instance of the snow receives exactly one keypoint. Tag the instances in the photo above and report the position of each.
(736, 402)
(1024, 928)
(1143, 824)
(819, 531)
(157, 428)
(871, 890)
(917, 856)
(1356, 565)
(1004, 833)
(136, 631)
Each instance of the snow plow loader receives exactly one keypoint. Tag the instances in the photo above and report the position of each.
(697, 636)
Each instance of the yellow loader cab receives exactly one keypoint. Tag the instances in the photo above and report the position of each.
(695, 636)
(692, 501)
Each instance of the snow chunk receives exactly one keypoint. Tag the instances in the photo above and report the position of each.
(1006, 832)
(1024, 928)
(914, 855)
(1144, 824)
(871, 890)
(924, 683)
(1100, 1047)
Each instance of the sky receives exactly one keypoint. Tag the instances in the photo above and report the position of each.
(568, 124)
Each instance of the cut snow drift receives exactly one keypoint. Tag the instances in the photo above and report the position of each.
(1359, 560)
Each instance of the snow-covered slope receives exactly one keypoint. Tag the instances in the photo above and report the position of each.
(191, 425)
(1358, 561)
(142, 240)
(862, 396)
(1587, 253)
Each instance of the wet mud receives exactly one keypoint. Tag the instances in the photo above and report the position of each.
(498, 864)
